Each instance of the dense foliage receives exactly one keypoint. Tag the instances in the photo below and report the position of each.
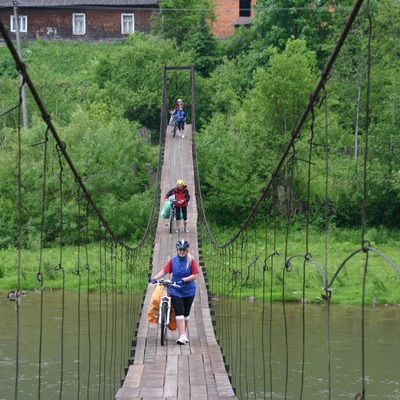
(250, 93)
(260, 91)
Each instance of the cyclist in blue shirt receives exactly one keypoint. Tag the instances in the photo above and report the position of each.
(180, 117)
(184, 270)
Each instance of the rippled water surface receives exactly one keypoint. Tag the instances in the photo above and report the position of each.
(76, 345)
(271, 354)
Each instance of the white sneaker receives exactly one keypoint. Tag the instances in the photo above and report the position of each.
(186, 339)
(185, 230)
(178, 230)
(182, 340)
(183, 136)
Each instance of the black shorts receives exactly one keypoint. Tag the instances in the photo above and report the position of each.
(184, 213)
(182, 305)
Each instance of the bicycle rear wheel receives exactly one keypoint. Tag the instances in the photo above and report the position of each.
(164, 318)
(172, 218)
(174, 130)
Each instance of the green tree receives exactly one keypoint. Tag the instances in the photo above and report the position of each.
(130, 81)
(202, 44)
(115, 165)
(229, 187)
(238, 44)
(276, 21)
(178, 18)
(348, 94)
(239, 148)
(281, 92)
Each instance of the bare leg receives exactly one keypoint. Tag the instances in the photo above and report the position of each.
(180, 324)
(186, 329)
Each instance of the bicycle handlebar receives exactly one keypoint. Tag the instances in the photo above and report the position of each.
(163, 282)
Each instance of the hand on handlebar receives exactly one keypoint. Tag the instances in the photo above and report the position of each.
(180, 283)
(152, 280)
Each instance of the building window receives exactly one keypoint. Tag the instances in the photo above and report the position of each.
(244, 8)
(78, 24)
(22, 23)
(127, 23)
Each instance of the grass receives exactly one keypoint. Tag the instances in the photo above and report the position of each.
(336, 261)
(272, 282)
(81, 269)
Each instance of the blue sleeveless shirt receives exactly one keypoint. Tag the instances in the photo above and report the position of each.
(180, 271)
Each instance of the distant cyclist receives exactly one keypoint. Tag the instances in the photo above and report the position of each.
(184, 270)
(182, 198)
(178, 103)
(180, 118)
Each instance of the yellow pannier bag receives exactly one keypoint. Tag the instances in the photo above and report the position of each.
(172, 320)
(154, 308)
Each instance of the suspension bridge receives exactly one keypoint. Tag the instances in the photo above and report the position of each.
(196, 370)
(258, 349)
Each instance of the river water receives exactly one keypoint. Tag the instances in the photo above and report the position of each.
(79, 359)
(76, 343)
(274, 355)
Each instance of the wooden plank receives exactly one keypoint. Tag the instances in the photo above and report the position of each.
(134, 376)
(183, 393)
(183, 371)
(128, 393)
(196, 370)
(171, 385)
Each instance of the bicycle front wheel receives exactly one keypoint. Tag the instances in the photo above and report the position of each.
(164, 318)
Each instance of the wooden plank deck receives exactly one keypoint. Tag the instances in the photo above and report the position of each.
(195, 371)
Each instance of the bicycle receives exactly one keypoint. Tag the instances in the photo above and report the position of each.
(175, 128)
(172, 217)
(165, 308)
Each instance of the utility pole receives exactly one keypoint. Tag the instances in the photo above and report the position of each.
(19, 49)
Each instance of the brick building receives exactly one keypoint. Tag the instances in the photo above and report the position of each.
(104, 19)
(231, 14)
(78, 19)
